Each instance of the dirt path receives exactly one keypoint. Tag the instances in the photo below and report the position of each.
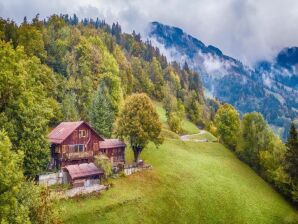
(187, 137)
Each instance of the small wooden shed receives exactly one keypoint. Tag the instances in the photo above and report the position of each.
(84, 174)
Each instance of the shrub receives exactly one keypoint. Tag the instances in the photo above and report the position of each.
(174, 122)
(104, 163)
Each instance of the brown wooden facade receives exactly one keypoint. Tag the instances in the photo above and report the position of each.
(77, 143)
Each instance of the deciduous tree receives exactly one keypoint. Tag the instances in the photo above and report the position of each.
(11, 180)
(24, 106)
(254, 136)
(139, 123)
(227, 122)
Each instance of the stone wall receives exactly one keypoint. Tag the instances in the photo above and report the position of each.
(130, 169)
(53, 178)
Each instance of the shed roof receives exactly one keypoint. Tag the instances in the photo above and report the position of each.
(83, 170)
(111, 143)
(63, 130)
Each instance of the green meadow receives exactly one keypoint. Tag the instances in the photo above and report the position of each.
(190, 182)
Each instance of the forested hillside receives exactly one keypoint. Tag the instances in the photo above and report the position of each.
(63, 69)
(66, 69)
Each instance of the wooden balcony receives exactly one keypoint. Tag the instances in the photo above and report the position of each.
(78, 155)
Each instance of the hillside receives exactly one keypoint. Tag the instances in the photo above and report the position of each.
(190, 182)
(270, 87)
(199, 182)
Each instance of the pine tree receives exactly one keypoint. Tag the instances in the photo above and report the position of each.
(101, 114)
(291, 156)
(69, 108)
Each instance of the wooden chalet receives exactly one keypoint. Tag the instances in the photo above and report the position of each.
(74, 143)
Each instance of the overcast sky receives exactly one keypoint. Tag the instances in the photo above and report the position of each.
(249, 30)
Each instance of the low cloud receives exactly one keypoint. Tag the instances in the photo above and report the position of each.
(249, 30)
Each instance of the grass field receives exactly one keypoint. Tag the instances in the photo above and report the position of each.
(190, 183)
(187, 126)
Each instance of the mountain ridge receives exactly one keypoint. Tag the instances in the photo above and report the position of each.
(270, 87)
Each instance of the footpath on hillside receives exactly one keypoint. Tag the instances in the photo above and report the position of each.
(202, 136)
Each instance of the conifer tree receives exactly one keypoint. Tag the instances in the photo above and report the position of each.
(291, 156)
(69, 108)
(101, 114)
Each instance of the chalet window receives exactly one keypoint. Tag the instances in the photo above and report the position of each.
(77, 148)
(83, 133)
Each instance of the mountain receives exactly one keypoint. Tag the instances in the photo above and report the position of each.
(271, 87)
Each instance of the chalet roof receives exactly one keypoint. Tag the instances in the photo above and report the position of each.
(63, 130)
(83, 170)
(111, 143)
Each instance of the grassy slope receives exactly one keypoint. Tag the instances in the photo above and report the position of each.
(187, 126)
(190, 183)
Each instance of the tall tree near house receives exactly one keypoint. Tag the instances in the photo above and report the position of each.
(106, 104)
(22, 201)
(102, 115)
(139, 123)
(227, 122)
(110, 84)
(291, 156)
(11, 179)
(69, 108)
(25, 109)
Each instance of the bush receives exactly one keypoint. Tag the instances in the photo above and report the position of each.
(174, 122)
(104, 163)
(211, 128)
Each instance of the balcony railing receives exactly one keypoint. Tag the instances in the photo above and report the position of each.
(78, 155)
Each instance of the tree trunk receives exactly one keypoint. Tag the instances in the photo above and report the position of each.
(136, 152)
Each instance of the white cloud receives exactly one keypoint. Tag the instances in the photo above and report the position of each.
(249, 29)
(212, 64)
